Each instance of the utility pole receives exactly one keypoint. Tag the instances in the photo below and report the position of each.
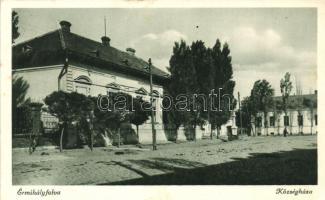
(240, 116)
(154, 145)
(105, 25)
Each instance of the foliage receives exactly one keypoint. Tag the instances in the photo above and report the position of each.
(68, 107)
(261, 96)
(19, 91)
(197, 69)
(286, 87)
(72, 109)
(83, 111)
(221, 78)
(139, 114)
(21, 120)
(182, 81)
(14, 25)
(247, 110)
(310, 103)
(110, 121)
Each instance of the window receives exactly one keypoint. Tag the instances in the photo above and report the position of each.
(272, 121)
(83, 90)
(82, 85)
(259, 121)
(110, 92)
(286, 120)
(300, 120)
(27, 49)
(316, 122)
(112, 88)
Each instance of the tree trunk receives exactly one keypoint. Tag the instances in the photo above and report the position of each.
(61, 138)
(194, 132)
(285, 125)
(218, 132)
(138, 133)
(278, 120)
(176, 132)
(91, 140)
(119, 137)
(211, 133)
(30, 143)
(265, 123)
(285, 114)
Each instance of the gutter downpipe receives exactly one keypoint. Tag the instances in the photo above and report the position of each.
(64, 69)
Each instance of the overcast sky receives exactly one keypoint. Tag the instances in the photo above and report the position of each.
(264, 42)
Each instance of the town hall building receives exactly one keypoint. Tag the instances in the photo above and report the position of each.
(63, 60)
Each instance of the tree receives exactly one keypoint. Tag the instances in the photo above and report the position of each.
(261, 96)
(286, 87)
(14, 25)
(199, 70)
(247, 111)
(171, 118)
(106, 123)
(311, 105)
(19, 91)
(139, 115)
(20, 103)
(202, 62)
(71, 108)
(277, 110)
(122, 110)
(220, 77)
(183, 81)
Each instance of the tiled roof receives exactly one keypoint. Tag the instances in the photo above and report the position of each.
(48, 50)
(296, 101)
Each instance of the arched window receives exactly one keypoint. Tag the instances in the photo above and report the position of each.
(82, 85)
(83, 80)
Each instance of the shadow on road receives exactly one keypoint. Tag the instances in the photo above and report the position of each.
(296, 167)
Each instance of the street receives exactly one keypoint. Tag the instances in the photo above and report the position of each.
(249, 160)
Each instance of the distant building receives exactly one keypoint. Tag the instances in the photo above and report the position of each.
(301, 117)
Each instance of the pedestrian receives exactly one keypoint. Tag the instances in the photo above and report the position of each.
(285, 132)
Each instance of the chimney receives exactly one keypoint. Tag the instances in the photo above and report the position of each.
(316, 92)
(130, 51)
(65, 26)
(106, 40)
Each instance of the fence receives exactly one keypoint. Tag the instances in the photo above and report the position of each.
(30, 122)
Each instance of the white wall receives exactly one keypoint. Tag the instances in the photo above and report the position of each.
(42, 81)
(100, 78)
(293, 127)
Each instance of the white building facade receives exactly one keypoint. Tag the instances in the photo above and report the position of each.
(299, 120)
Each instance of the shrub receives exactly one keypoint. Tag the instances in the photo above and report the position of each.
(71, 109)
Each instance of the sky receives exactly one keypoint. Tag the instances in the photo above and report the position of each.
(265, 43)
